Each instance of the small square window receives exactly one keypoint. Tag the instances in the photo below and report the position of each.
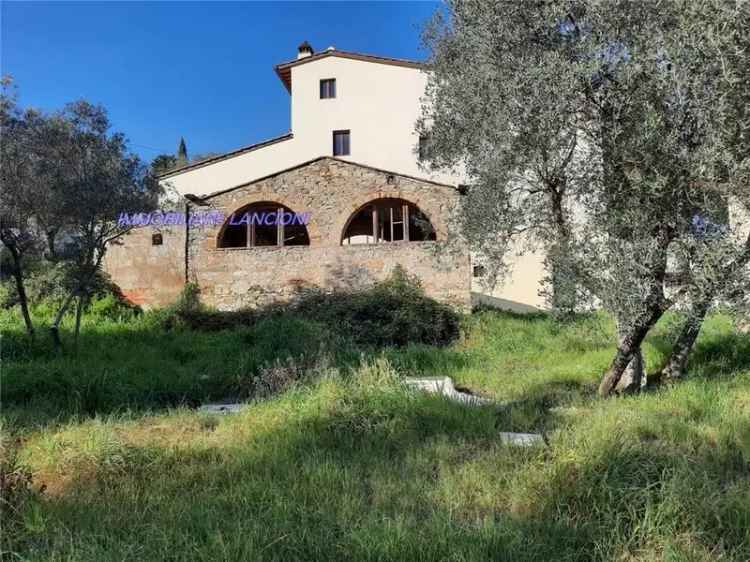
(328, 88)
(479, 271)
(341, 143)
(156, 239)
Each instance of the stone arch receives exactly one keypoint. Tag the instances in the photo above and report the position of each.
(387, 219)
(264, 222)
(426, 204)
(261, 193)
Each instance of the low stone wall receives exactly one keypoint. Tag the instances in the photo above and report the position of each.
(250, 277)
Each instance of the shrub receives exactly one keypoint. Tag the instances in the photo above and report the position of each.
(394, 312)
(112, 307)
(47, 285)
(276, 377)
(189, 299)
(44, 283)
(16, 496)
(189, 312)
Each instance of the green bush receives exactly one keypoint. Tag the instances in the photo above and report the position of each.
(113, 307)
(43, 282)
(48, 284)
(7, 294)
(189, 313)
(395, 312)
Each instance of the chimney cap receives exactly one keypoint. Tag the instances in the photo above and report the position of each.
(305, 47)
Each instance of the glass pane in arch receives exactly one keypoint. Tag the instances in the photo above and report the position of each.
(263, 224)
(388, 220)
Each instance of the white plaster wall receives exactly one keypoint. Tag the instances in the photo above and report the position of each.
(521, 287)
(237, 170)
(378, 103)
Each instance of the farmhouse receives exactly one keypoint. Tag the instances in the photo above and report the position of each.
(351, 165)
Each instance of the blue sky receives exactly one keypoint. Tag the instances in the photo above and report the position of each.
(202, 70)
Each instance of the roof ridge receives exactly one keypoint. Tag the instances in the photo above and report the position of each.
(334, 52)
(283, 70)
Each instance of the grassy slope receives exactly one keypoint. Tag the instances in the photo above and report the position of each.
(351, 466)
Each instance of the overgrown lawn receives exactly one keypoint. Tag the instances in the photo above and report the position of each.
(347, 464)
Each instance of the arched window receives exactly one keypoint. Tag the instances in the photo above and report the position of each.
(264, 224)
(388, 220)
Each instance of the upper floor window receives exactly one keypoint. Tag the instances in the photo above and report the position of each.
(328, 88)
(341, 143)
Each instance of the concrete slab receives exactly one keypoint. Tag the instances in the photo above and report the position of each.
(521, 439)
(219, 408)
(444, 386)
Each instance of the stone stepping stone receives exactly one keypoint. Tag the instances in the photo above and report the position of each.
(222, 408)
(522, 439)
(444, 386)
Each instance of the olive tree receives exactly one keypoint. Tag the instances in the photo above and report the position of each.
(100, 179)
(494, 70)
(17, 197)
(646, 91)
(670, 120)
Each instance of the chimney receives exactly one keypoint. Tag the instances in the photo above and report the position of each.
(304, 50)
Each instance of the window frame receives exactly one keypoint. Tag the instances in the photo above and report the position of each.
(331, 90)
(250, 227)
(347, 133)
(384, 222)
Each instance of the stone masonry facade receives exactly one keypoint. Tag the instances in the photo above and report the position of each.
(148, 275)
(331, 191)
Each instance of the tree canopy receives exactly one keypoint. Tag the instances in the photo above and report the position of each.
(612, 134)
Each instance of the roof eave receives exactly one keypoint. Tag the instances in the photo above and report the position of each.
(225, 156)
(284, 69)
(285, 75)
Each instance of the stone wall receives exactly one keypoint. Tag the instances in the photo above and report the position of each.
(330, 190)
(148, 275)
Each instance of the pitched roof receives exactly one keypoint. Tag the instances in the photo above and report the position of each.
(224, 156)
(308, 162)
(284, 70)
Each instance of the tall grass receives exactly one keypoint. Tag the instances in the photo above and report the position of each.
(345, 463)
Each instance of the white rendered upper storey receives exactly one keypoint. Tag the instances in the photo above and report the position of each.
(357, 107)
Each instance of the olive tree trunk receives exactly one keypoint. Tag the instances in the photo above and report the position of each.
(678, 358)
(54, 329)
(79, 311)
(629, 351)
(21, 290)
(634, 376)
